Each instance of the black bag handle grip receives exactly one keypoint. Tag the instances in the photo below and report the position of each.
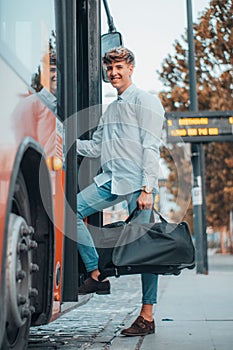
(160, 216)
(134, 214)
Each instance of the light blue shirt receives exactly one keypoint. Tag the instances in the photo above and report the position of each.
(127, 139)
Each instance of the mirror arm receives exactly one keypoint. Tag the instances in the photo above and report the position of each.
(111, 26)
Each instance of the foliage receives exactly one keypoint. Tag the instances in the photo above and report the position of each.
(214, 60)
(179, 181)
(36, 77)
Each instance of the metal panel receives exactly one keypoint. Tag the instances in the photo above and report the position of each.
(81, 80)
(67, 106)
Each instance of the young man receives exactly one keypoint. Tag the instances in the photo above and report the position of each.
(127, 139)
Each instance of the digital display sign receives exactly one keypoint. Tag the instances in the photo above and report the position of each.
(204, 126)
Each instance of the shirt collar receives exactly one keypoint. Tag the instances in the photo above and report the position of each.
(125, 95)
(48, 98)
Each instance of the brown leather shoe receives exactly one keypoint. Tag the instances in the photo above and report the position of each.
(139, 327)
(92, 286)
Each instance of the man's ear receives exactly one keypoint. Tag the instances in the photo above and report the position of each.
(131, 68)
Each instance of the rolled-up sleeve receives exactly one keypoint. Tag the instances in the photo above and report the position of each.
(91, 148)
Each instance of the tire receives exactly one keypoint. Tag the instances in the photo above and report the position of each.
(18, 270)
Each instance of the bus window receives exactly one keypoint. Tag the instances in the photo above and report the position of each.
(27, 38)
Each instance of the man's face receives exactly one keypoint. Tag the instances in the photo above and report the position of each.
(119, 75)
(53, 79)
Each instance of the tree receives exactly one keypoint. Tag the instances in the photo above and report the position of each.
(179, 181)
(214, 61)
(36, 77)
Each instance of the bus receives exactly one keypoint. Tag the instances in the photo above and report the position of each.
(50, 68)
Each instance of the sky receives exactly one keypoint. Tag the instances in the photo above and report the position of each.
(149, 29)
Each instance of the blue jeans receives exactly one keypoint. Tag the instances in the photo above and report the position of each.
(94, 199)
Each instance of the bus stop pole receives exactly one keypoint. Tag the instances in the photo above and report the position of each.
(198, 191)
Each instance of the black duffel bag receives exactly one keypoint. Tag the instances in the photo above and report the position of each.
(127, 247)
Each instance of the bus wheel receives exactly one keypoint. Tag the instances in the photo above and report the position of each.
(19, 271)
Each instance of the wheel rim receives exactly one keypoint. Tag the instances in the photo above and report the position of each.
(19, 268)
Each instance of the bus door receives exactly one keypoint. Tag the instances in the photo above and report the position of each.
(29, 122)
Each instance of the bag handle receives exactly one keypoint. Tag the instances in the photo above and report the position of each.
(134, 214)
(160, 216)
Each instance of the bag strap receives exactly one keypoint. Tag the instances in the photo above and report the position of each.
(160, 215)
(134, 214)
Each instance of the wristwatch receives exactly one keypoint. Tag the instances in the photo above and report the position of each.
(147, 189)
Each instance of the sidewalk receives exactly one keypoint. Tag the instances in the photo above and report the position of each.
(194, 312)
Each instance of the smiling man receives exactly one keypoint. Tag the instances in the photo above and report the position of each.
(119, 74)
(127, 139)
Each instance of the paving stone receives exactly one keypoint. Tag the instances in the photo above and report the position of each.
(97, 322)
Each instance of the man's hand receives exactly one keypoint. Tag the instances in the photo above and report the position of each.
(145, 201)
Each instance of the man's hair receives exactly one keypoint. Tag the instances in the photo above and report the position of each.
(118, 54)
(53, 57)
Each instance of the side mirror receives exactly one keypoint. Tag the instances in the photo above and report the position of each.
(108, 42)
